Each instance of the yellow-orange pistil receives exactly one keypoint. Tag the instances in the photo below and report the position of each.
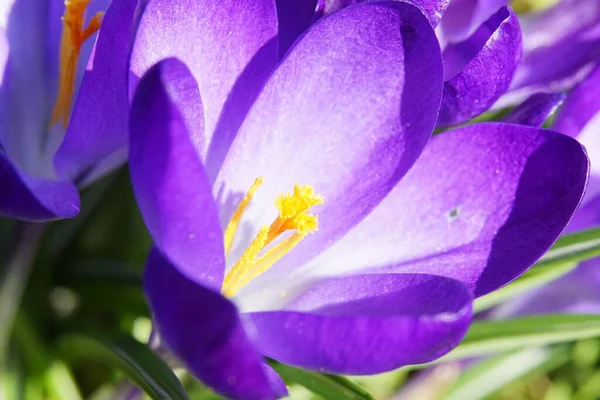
(293, 216)
(74, 34)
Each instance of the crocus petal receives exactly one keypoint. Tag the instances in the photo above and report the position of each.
(169, 182)
(481, 205)
(278, 385)
(29, 198)
(582, 103)
(4, 50)
(464, 17)
(24, 96)
(98, 125)
(295, 16)
(479, 70)
(367, 324)
(229, 45)
(587, 216)
(536, 110)
(347, 111)
(433, 9)
(5, 8)
(590, 138)
(203, 329)
(578, 292)
(559, 45)
(580, 117)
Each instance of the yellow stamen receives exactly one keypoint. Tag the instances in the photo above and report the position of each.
(234, 224)
(265, 261)
(246, 262)
(303, 198)
(74, 36)
(292, 210)
(293, 215)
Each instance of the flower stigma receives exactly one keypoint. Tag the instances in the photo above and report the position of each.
(74, 35)
(293, 216)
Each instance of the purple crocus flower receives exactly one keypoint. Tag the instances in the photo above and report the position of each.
(561, 45)
(44, 67)
(480, 39)
(578, 291)
(462, 18)
(308, 218)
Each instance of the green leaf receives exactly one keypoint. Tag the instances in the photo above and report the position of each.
(15, 269)
(527, 282)
(558, 261)
(488, 337)
(575, 247)
(488, 376)
(133, 358)
(383, 385)
(324, 385)
(42, 364)
(12, 378)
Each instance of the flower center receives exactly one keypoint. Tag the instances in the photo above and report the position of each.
(74, 35)
(293, 216)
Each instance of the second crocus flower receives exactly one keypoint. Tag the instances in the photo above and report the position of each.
(63, 77)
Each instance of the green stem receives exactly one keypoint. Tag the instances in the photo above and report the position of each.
(16, 271)
(12, 381)
(43, 365)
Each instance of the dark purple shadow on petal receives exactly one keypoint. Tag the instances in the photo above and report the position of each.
(536, 109)
(243, 94)
(367, 324)
(26, 197)
(295, 17)
(171, 188)
(98, 125)
(518, 244)
(203, 329)
(479, 70)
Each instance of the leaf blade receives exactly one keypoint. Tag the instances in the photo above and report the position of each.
(522, 285)
(325, 385)
(573, 247)
(487, 377)
(133, 358)
(488, 337)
